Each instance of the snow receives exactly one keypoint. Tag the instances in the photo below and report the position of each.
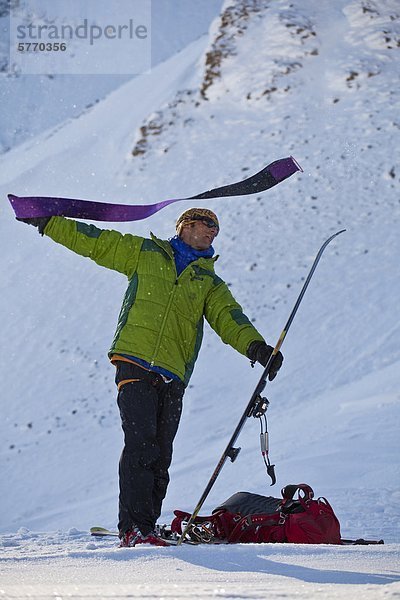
(64, 565)
(53, 99)
(334, 416)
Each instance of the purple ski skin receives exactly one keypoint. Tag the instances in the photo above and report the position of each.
(26, 207)
(281, 169)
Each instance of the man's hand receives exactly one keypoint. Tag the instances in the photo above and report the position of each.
(39, 222)
(261, 352)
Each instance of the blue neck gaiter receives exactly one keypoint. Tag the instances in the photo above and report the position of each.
(185, 254)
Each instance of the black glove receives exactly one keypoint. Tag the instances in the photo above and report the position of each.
(39, 222)
(260, 352)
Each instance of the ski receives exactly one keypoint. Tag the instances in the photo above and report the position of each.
(166, 535)
(361, 542)
(257, 405)
(26, 207)
(103, 532)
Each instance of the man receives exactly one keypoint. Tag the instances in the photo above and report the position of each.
(172, 287)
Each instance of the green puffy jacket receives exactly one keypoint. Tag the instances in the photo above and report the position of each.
(162, 315)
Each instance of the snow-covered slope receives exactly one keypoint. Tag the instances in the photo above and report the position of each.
(320, 81)
(43, 101)
(316, 80)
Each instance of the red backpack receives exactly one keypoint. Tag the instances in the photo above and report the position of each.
(252, 518)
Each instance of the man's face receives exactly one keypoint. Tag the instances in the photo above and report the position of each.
(198, 235)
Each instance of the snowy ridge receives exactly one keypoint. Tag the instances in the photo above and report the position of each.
(290, 34)
(334, 410)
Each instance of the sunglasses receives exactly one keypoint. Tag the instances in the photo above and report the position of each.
(207, 221)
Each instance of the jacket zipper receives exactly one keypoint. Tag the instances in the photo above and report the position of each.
(168, 307)
(164, 321)
(167, 311)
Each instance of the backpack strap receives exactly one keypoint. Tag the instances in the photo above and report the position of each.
(289, 491)
(304, 494)
(182, 516)
(255, 523)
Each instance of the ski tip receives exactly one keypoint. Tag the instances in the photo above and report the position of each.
(102, 532)
(297, 164)
(332, 237)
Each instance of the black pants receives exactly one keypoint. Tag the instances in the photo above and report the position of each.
(150, 411)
